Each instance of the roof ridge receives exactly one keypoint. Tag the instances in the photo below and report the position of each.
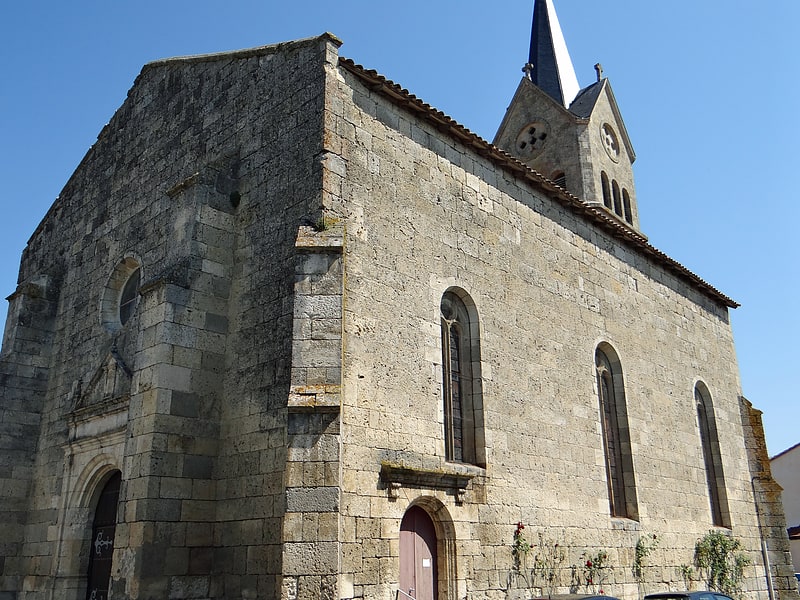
(380, 84)
(243, 52)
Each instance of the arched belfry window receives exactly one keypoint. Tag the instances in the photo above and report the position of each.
(712, 461)
(606, 190)
(101, 549)
(616, 434)
(617, 197)
(461, 382)
(626, 206)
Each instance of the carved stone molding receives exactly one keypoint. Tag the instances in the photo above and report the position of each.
(394, 476)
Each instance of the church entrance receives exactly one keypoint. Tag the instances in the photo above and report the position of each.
(102, 543)
(418, 571)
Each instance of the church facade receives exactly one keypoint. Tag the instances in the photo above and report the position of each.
(289, 332)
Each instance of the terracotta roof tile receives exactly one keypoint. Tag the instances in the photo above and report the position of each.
(380, 84)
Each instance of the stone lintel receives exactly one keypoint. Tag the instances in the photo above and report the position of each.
(448, 477)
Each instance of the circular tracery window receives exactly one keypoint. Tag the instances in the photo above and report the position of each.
(531, 139)
(121, 294)
(610, 141)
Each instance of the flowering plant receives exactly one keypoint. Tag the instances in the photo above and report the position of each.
(593, 569)
(521, 546)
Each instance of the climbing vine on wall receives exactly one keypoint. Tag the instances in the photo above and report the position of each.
(548, 562)
(520, 547)
(593, 569)
(644, 546)
(540, 568)
(721, 562)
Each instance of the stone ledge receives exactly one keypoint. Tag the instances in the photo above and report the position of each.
(448, 477)
(314, 398)
(330, 238)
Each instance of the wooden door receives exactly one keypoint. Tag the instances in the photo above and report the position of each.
(418, 573)
(102, 544)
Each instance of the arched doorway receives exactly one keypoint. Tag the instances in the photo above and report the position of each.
(102, 544)
(418, 564)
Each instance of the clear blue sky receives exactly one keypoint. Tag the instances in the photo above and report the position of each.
(707, 89)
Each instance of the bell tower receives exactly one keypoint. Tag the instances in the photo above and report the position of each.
(574, 137)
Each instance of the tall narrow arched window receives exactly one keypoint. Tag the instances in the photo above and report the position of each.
(626, 206)
(461, 383)
(616, 434)
(606, 190)
(617, 198)
(712, 461)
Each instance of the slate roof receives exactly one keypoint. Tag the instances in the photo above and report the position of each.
(584, 102)
(552, 68)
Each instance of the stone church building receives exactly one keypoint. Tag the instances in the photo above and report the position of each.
(290, 332)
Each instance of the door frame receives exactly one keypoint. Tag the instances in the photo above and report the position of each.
(446, 558)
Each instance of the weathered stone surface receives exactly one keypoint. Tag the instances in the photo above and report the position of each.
(311, 499)
(296, 226)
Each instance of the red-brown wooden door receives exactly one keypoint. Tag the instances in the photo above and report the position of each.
(418, 574)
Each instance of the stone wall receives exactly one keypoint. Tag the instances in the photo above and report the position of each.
(425, 214)
(775, 548)
(274, 404)
(202, 179)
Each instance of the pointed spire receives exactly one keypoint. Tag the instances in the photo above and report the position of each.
(549, 65)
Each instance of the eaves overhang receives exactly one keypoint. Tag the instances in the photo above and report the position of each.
(598, 216)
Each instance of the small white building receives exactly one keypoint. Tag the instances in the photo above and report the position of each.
(786, 471)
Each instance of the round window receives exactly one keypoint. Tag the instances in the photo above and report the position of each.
(610, 141)
(531, 139)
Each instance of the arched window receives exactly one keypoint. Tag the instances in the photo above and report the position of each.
(102, 543)
(121, 294)
(617, 200)
(129, 296)
(461, 384)
(709, 440)
(626, 206)
(616, 434)
(606, 190)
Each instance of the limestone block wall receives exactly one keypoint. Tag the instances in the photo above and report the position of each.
(282, 196)
(424, 214)
(772, 521)
(24, 365)
(201, 178)
(310, 565)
